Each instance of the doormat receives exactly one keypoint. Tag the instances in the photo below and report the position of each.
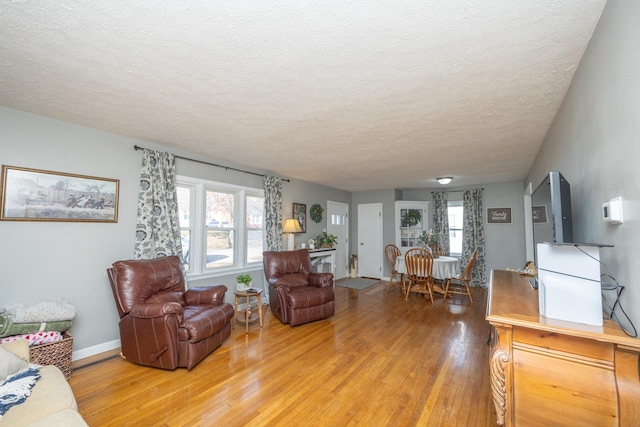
(359, 283)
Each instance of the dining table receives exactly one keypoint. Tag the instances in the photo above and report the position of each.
(444, 267)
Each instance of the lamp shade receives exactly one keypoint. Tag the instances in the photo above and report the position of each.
(291, 226)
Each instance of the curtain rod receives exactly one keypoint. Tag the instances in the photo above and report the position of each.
(136, 147)
(460, 191)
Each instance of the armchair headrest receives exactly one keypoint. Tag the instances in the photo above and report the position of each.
(135, 281)
(278, 264)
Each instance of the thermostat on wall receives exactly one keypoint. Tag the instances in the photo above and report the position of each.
(612, 211)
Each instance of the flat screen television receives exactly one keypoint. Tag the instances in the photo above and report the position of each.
(551, 211)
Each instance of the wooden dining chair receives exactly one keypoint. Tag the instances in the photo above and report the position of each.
(419, 265)
(392, 252)
(460, 284)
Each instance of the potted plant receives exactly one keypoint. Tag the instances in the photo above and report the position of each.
(243, 282)
(411, 218)
(325, 240)
(431, 240)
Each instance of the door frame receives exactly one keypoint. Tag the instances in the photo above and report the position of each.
(342, 248)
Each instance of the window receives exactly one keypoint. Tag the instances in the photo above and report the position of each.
(221, 226)
(455, 211)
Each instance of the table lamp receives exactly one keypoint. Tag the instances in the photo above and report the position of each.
(291, 226)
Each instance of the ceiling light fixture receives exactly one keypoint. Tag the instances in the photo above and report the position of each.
(444, 180)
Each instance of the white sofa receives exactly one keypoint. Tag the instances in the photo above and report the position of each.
(51, 402)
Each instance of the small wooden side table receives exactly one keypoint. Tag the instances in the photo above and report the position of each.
(246, 316)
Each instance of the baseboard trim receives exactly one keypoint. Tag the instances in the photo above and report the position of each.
(94, 353)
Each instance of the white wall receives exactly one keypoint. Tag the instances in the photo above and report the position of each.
(595, 143)
(42, 260)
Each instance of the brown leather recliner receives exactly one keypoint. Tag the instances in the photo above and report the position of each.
(296, 294)
(161, 324)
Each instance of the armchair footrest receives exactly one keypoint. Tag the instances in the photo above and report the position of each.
(309, 296)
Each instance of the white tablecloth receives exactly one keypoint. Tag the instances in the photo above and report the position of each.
(444, 267)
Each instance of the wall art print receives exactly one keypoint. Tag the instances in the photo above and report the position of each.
(41, 195)
(539, 214)
(300, 213)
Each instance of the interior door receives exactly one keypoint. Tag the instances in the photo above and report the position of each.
(370, 250)
(338, 225)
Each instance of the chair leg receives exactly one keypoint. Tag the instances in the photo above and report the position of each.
(430, 289)
(466, 285)
(458, 289)
(404, 285)
(409, 285)
(393, 275)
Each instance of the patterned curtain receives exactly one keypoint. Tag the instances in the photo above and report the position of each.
(473, 235)
(158, 225)
(273, 218)
(273, 213)
(440, 220)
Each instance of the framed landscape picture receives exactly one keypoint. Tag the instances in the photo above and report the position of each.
(40, 195)
(300, 213)
(499, 215)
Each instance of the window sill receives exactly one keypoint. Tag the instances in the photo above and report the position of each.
(222, 273)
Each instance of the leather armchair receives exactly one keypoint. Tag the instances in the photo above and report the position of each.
(296, 294)
(161, 324)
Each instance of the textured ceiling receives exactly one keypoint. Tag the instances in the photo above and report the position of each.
(352, 95)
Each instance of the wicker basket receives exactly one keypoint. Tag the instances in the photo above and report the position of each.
(55, 353)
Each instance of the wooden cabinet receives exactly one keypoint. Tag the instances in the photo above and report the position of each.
(547, 372)
(412, 218)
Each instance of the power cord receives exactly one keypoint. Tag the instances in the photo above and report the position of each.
(608, 282)
(608, 286)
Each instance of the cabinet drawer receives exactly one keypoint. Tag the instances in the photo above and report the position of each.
(554, 392)
(568, 344)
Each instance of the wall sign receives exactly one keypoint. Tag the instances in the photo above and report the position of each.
(499, 215)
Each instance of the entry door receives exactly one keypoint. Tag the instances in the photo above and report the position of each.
(370, 250)
(338, 225)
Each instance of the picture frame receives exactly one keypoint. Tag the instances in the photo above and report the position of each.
(499, 216)
(300, 213)
(43, 195)
(539, 214)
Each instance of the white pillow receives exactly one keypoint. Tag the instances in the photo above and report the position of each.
(10, 364)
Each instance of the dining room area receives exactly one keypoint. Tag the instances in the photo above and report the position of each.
(426, 270)
(440, 246)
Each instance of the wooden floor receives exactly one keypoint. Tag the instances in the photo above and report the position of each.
(380, 361)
